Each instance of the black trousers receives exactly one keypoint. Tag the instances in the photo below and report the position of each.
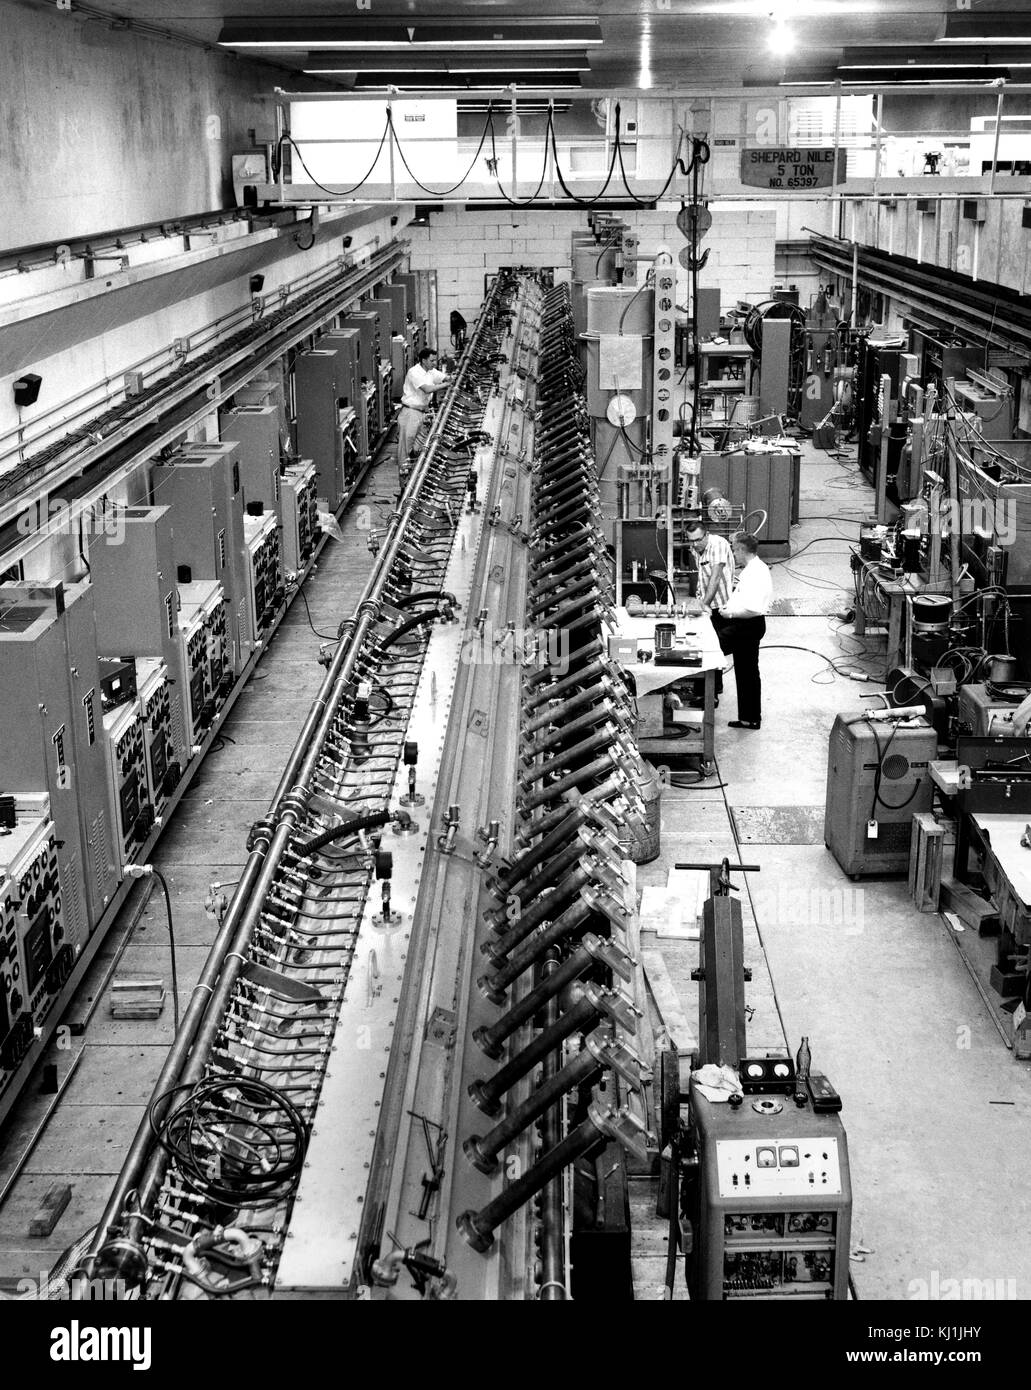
(740, 638)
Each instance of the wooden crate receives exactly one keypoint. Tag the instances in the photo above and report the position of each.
(925, 861)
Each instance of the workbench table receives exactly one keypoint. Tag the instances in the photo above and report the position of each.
(1006, 868)
(652, 681)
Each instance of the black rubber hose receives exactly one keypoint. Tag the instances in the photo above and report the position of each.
(425, 596)
(343, 832)
(407, 626)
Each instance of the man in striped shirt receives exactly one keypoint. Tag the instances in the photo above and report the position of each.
(715, 560)
(714, 557)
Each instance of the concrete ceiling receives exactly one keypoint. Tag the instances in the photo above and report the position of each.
(653, 44)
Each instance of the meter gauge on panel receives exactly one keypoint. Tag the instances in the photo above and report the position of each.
(767, 1074)
(765, 1156)
(621, 411)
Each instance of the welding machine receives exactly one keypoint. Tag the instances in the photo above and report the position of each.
(878, 776)
(775, 1200)
(767, 1191)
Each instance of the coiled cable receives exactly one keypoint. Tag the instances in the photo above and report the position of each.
(237, 1142)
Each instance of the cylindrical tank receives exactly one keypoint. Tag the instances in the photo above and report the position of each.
(607, 305)
(746, 409)
(642, 846)
(594, 263)
(931, 611)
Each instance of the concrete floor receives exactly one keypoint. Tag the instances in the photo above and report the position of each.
(937, 1110)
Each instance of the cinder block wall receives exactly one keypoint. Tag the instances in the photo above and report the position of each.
(466, 248)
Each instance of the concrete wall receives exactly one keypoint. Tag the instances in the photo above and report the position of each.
(466, 247)
(106, 128)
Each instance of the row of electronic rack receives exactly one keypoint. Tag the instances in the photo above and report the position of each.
(111, 684)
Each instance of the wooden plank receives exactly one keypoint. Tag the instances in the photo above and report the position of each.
(670, 912)
(667, 1002)
(968, 906)
(48, 1213)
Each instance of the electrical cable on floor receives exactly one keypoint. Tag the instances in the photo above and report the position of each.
(792, 647)
(324, 635)
(171, 945)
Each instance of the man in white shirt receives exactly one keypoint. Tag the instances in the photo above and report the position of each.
(423, 380)
(741, 625)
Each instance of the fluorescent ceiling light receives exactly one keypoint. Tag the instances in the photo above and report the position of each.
(930, 56)
(432, 62)
(988, 41)
(542, 34)
(801, 9)
(987, 28)
(417, 86)
(903, 65)
(400, 70)
(419, 44)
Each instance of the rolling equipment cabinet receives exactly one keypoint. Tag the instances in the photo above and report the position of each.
(878, 776)
(203, 487)
(255, 430)
(50, 683)
(775, 1201)
(138, 603)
